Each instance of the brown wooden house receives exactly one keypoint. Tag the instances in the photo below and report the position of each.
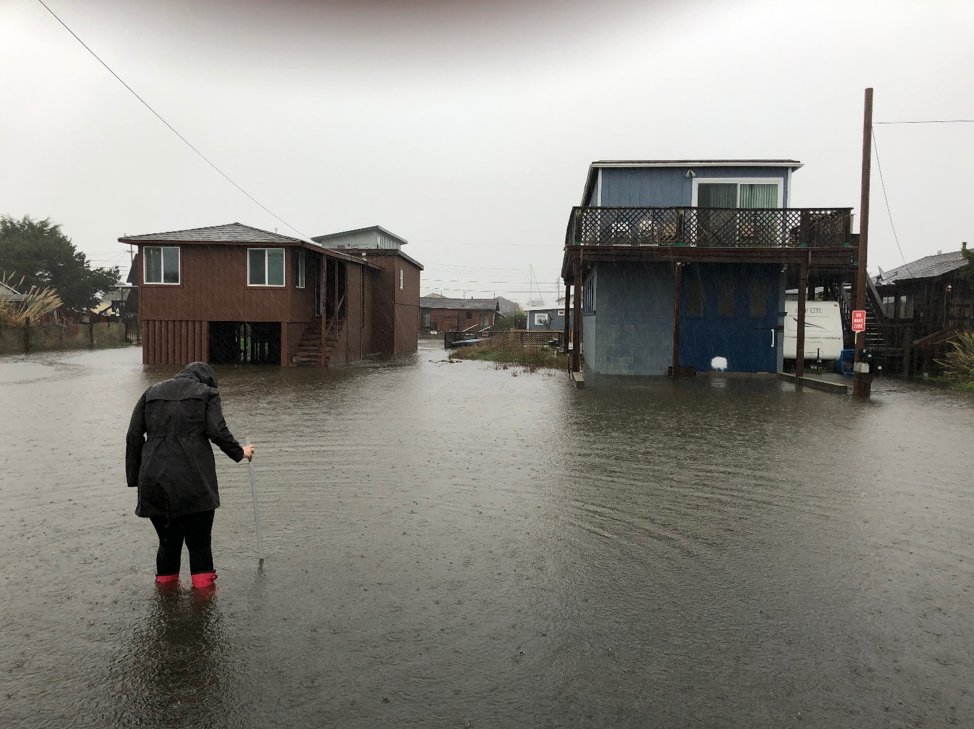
(236, 294)
(924, 304)
(438, 313)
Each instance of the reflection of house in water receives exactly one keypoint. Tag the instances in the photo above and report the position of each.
(438, 313)
(681, 264)
(232, 293)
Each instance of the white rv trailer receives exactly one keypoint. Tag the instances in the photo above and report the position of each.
(823, 330)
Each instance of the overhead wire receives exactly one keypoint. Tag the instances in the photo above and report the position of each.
(929, 121)
(882, 183)
(170, 126)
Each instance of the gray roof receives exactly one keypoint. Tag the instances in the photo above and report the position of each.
(926, 267)
(377, 228)
(230, 233)
(794, 163)
(435, 302)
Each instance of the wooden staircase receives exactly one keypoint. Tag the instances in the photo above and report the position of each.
(310, 352)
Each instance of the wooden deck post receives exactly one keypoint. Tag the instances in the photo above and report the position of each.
(677, 285)
(800, 335)
(324, 308)
(568, 315)
(577, 308)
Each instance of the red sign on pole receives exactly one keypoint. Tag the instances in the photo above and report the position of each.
(859, 320)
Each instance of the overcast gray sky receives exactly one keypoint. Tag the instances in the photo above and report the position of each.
(467, 127)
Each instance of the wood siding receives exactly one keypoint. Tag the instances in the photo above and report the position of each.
(213, 288)
(174, 342)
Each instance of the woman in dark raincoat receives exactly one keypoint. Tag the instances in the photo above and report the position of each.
(169, 458)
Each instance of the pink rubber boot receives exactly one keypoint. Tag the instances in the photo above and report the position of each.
(167, 580)
(204, 580)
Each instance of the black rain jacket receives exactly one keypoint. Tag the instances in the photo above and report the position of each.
(168, 455)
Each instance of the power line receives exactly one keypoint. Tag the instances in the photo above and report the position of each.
(170, 126)
(879, 166)
(931, 121)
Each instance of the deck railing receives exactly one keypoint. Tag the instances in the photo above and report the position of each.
(711, 227)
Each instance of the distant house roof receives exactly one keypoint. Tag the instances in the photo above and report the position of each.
(230, 233)
(594, 167)
(434, 296)
(926, 267)
(377, 228)
(9, 293)
(438, 302)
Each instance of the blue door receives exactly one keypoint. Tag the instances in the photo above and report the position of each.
(728, 317)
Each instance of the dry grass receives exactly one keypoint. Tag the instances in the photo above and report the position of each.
(37, 303)
(959, 361)
(504, 350)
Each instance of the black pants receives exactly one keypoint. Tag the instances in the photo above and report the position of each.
(195, 529)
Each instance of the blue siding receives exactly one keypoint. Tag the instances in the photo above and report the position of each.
(631, 331)
(669, 186)
(658, 187)
(748, 343)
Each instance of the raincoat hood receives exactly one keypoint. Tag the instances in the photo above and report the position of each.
(200, 371)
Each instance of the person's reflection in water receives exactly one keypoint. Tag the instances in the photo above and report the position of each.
(175, 671)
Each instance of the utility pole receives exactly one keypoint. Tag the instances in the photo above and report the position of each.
(860, 383)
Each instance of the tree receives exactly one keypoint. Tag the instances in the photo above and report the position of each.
(967, 272)
(39, 252)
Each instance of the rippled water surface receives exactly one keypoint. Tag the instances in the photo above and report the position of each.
(454, 544)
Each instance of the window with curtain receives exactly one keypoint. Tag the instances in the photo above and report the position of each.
(758, 196)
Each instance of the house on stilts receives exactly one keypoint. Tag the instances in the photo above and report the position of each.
(681, 266)
(231, 294)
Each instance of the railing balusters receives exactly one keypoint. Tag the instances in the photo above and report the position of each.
(712, 227)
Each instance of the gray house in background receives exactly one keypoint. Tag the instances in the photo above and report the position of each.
(552, 318)
(361, 239)
(8, 293)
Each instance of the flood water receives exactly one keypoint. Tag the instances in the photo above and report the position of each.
(454, 545)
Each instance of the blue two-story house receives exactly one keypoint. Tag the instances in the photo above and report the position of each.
(683, 265)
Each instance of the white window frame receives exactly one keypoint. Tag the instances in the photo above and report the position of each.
(162, 266)
(266, 285)
(739, 181)
(402, 277)
(300, 273)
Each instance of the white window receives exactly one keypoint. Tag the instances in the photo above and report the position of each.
(541, 320)
(299, 268)
(161, 265)
(400, 279)
(265, 266)
(561, 312)
(758, 192)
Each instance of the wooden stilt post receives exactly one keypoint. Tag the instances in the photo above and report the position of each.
(800, 335)
(568, 317)
(860, 384)
(677, 285)
(577, 308)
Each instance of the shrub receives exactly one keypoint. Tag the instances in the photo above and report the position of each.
(959, 361)
(36, 304)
